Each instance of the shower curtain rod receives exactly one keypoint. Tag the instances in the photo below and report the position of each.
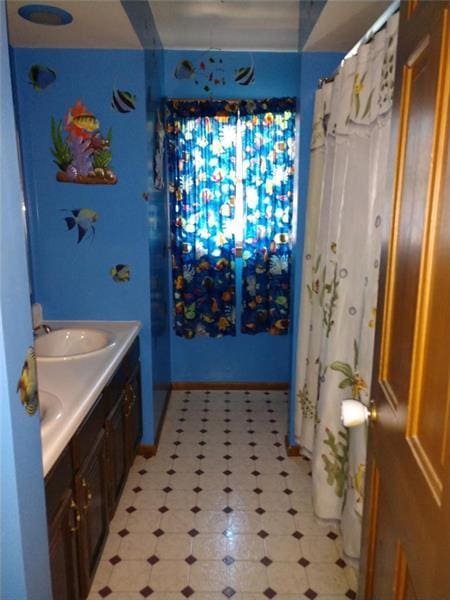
(379, 24)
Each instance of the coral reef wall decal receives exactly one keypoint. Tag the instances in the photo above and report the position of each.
(84, 154)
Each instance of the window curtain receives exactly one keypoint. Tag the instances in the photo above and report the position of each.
(268, 151)
(347, 203)
(202, 187)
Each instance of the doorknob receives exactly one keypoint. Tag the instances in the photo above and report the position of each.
(354, 413)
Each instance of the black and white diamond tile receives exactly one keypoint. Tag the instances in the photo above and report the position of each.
(221, 511)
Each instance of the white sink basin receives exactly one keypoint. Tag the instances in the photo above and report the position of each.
(67, 344)
(50, 408)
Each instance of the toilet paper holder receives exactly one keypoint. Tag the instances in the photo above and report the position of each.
(354, 412)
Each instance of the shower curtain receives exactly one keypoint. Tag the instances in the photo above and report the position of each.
(347, 203)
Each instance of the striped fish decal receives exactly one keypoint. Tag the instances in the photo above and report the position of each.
(244, 75)
(123, 101)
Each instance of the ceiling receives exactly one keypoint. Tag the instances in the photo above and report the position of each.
(256, 25)
(342, 23)
(96, 24)
(227, 24)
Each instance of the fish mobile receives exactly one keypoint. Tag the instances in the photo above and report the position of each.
(211, 72)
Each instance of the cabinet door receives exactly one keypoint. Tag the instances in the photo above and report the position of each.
(115, 452)
(133, 414)
(63, 550)
(91, 497)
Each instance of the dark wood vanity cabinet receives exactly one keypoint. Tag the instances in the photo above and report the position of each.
(117, 457)
(133, 412)
(63, 550)
(92, 500)
(84, 486)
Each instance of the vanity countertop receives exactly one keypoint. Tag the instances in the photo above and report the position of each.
(78, 382)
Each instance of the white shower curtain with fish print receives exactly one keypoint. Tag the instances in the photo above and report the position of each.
(347, 204)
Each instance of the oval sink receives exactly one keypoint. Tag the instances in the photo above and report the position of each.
(50, 408)
(65, 344)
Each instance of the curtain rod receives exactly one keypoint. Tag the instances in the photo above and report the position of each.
(204, 100)
(379, 24)
(238, 101)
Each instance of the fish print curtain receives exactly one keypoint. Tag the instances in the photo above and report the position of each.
(268, 151)
(347, 204)
(202, 188)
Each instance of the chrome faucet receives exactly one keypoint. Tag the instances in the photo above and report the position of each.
(41, 328)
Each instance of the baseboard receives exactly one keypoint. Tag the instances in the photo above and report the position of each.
(291, 450)
(147, 450)
(228, 385)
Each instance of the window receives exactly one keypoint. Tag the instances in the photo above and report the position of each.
(231, 168)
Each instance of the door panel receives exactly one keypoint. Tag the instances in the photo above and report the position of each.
(412, 178)
(407, 520)
(63, 550)
(91, 493)
(116, 454)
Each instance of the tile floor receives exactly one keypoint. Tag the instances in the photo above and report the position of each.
(221, 512)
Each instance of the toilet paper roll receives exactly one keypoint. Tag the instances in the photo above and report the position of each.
(353, 413)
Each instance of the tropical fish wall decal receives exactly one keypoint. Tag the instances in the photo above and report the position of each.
(84, 220)
(244, 75)
(27, 385)
(41, 77)
(123, 101)
(120, 273)
(84, 154)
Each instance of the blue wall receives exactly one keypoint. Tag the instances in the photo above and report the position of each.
(313, 66)
(143, 23)
(70, 280)
(158, 242)
(24, 567)
(244, 358)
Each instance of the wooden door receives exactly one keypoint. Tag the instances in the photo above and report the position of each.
(406, 553)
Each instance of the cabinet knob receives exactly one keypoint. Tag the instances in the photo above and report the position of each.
(73, 506)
